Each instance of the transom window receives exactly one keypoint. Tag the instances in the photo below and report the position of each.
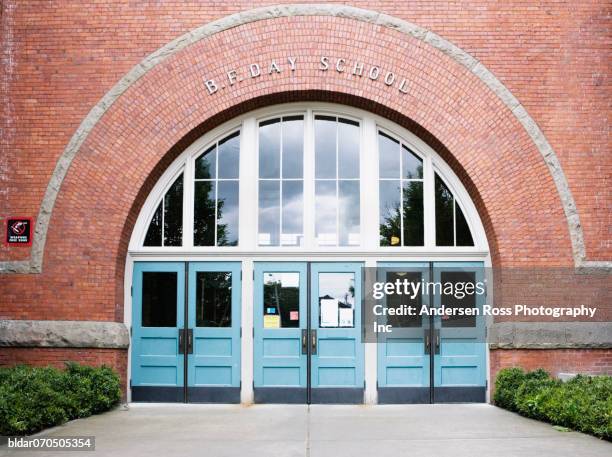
(309, 180)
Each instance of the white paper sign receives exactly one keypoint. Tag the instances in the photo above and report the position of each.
(329, 312)
(346, 317)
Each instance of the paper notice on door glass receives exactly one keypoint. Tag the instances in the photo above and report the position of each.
(346, 317)
(329, 312)
(294, 315)
(271, 321)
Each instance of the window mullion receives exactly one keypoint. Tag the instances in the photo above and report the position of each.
(369, 186)
(188, 201)
(248, 187)
(429, 203)
(309, 182)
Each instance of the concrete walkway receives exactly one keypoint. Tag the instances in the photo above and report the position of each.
(322, 431)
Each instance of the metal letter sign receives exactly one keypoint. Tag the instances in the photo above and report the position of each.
(19, 231)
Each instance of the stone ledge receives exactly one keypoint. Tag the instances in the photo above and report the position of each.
(550, 335)
(63, 334)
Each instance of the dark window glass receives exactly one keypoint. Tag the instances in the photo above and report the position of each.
(389, 157)
(399, 300)
(173, 214)
(204, 213)
(227, 213)
(213, 299)
(412, 166)
(413, 213)
(464, 236)
(444, 214)
(229, 156)
(325, 147)
(206, 164)
(159, 299)
(281, 300)
(269, 149)
(154, 233)
(293, 147)
(464, 300)
(390, 213)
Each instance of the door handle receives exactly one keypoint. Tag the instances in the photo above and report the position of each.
(427, 342)
(437, 342)
(181, 340)
(190, 341)
(313, 342)
(304, 341)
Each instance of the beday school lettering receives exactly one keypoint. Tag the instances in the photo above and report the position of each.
(350, 68)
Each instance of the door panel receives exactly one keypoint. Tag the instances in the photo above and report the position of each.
(157, 315)
(337, 350)
(403, 356)
(280, 307)
(459, 347)
(214, 323)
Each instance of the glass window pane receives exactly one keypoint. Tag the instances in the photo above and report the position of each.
(348, 149)
(173, 214)
(154, 232)
(336, 300)
(412, 165)
(413, 213)
(213, 299)
(204, 213)
(269, 213)
(281, 300)
(349, 213)
(399, 300)
(293, 210)
(449, 300)
(389, 157)
(227, 213)
(325, 212)
(229, 156)
(325, 147)
(159, 299)
(444, 214)
(293, 147)
(269, 148)
(205, 165)
(390, 213)
(464, 236)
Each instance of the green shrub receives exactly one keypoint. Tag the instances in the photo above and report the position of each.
(583, 403)
(35, 398)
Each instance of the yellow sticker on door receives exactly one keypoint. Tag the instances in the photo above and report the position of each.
(271, 321)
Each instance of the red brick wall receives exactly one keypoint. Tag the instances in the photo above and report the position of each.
(60, 57)
(57, 357)
(555, 361)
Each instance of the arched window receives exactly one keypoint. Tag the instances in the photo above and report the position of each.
(309, 178)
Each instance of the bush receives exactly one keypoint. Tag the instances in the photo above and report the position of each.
(584, 403)
(35, 398)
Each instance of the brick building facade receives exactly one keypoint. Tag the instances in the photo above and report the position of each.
(100, 98)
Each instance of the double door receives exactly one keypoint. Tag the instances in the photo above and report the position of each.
(434, 358)
(307, 333)
(186, 332)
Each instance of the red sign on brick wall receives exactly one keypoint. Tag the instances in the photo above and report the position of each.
(19, 231)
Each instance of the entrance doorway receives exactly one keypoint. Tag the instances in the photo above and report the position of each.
(307, 344)
(434, 359)
(186, 332)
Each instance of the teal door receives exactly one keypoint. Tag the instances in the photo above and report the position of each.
(157, 316)
(403, 356)
(307, 333)
(433, 358)
(213, 361)
(459, 368)
(280, 326)
(186, 332)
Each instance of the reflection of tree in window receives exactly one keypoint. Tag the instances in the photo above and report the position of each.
(169, 215)
(214, 299)
(391, 227)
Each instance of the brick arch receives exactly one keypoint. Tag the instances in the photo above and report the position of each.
(133, 133)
